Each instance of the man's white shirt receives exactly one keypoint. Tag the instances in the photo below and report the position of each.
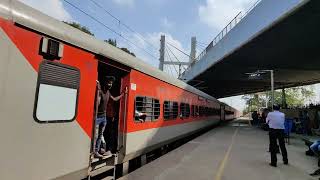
(275, 120)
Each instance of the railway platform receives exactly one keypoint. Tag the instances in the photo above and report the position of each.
(234, 151)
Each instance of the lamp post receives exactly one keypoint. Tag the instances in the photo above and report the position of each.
(272, 86)
(257, 74)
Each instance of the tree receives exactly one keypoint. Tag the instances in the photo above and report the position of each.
(113, 42)
(127, 51)
(254, 101)
(295, 97)
(80, 27)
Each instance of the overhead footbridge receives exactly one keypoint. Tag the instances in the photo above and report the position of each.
(283, 36)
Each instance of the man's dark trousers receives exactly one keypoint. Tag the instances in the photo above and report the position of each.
(112, 134)
(275, 134)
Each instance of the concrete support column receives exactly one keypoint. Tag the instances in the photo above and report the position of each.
(272, 88)
(193, 50)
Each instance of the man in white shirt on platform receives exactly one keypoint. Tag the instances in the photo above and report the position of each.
(275, 120)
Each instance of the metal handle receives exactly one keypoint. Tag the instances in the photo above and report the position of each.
(124, 120)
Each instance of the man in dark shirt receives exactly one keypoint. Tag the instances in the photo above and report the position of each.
(255, 117)
(112, 126)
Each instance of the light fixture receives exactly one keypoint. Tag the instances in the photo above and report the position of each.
(51, 49)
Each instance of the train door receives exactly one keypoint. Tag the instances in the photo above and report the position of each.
(115, 109)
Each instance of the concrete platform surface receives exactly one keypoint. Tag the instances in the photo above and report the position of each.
(229, 152)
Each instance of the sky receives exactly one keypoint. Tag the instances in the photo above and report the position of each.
(178, 20)
(138, 24)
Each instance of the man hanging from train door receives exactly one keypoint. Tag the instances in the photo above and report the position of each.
(100, 123)
(105, 115)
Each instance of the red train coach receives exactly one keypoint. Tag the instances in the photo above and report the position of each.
(48, 73)
(229, 112)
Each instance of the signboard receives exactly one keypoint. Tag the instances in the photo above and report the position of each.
(133, 86)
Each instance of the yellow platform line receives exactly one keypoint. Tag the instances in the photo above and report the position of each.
(226, 157)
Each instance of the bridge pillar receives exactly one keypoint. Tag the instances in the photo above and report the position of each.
(162, 50)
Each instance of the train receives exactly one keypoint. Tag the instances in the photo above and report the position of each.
(48, 75)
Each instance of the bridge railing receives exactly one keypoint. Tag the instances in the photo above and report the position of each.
(221, 34)
(224, 32)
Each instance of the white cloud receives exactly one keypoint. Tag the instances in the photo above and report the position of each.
(218, 13)
(129, 3)
(166, 24)
(151, 43)
(53, 8)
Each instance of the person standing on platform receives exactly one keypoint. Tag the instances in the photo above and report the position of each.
(275, 121)
(255, 117)
(306, 122)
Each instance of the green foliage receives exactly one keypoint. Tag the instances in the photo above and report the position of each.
(80, 27)
(254, 101)
(113, 42)
(127, 51)
(295, 97)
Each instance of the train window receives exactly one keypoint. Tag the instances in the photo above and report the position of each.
(170, 110)
(184, 110)
(201, 111)
(57, 93)
(210, 111)
(166, 110)
(196, 110)
(149, 107)
(192, 110)
(206, 111)
(187, 110)
(217, 112)
(229, 112)
(175, 109)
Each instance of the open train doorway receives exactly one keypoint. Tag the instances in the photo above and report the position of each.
(113, 79)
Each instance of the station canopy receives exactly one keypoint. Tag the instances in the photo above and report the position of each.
(290, 47)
